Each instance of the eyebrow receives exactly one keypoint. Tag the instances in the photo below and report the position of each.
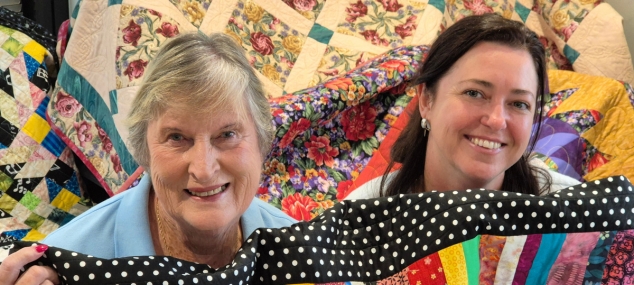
(488, 84)
(168, 130)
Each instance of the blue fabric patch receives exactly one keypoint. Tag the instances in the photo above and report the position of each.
(73, 185)
(67, 219)
(41, 109)
(53, 188)
(80, 88)
(548, 251)
(54, 144)
(31, 64)
(18, 234)
(3, 146)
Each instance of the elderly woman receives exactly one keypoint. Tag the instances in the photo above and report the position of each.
(200, 126)
(482, 95)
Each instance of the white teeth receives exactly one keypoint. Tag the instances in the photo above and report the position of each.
(486, 143)
(209, 193)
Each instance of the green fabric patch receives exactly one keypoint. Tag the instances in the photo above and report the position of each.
(522, 11)
(30, 201)
(12, 46)
(571, 54)
(34, 221)
(320, 33)
(438, 4)
(6, 30)
(7, 203)
(5, 182)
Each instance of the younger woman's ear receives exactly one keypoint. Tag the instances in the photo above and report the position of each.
(424, 100)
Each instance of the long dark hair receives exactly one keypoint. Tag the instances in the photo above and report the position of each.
(450, 46)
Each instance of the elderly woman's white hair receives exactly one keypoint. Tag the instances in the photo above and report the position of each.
(212, 74)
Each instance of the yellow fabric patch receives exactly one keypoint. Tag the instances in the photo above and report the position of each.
(454, 264)
(35, 50)
(34, 235)
(7, 203)
(612, 135)
(37, 128)
(65, 200)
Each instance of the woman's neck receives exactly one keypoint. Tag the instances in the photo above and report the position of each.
(173, 239)
(439, 180)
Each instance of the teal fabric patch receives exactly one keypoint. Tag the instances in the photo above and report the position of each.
(522, 11)
(114, 2)
(114, 106)
(571, 54)
(547, 254)
(320, 33)
(76, 85)
(438, 4)
(76, 10)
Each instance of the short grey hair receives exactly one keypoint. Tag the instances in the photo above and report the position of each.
(194, 70)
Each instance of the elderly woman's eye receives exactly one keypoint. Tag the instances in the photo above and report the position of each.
(176, 137)
(228, 134)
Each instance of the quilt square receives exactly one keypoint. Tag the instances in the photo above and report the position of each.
(37, 128)
(7, 132)
(60, 173)
(30, 201)
(65, 200)
(57, 216)
(12, 46)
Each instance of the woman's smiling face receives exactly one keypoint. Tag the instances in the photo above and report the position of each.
(205, 167)
(481, 117)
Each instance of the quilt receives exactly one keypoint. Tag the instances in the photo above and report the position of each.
(39, 187)
(293, 45)
(579, 235)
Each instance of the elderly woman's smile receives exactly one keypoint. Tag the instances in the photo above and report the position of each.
(207, 191)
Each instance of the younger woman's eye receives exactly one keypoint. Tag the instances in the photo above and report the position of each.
(473, 93)
(522, 105)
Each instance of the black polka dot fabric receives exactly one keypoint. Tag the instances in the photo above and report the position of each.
(370, 240)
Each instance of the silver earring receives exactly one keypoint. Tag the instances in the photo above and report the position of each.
(425, 125)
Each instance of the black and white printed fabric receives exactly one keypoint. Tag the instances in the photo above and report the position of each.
(369, 240)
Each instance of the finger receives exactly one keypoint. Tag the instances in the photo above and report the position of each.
(12, 264)
(38, 275)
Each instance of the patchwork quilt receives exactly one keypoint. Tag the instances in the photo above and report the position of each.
(293, 45)
(39, 187)
(580, 235)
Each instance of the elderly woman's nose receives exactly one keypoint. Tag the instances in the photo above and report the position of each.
(202, 161)
(495, 116)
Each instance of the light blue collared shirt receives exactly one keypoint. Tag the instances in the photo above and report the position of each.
(119, 226)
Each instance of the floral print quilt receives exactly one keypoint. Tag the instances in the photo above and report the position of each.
(293, 45)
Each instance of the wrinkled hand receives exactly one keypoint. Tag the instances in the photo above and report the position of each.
(11, 266)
